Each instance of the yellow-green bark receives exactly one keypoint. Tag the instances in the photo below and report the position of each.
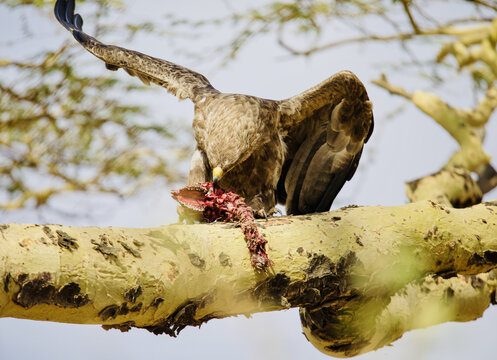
(358, 259)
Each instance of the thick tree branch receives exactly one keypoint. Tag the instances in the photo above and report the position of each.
(163, 279)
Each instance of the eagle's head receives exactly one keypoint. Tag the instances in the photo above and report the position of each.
(223, 163)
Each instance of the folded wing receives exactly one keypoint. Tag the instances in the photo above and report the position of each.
(325, 129)
(180, 81)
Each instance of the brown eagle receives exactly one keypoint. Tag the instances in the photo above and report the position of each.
(298, 151)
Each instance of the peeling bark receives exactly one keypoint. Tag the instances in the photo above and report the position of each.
(362, 272)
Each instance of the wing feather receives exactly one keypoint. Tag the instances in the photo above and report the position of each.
(326, 128)
(178, 80)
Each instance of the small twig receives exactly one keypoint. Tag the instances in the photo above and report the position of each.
(359, 39)
(407, 10)
(484, 3)
(392, 89)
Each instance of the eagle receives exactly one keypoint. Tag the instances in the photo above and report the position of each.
(298, 151)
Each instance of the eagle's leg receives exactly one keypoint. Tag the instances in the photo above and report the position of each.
(199, 173)
(199, 168)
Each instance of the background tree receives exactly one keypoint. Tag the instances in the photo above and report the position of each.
(417, 28)
(65, 129)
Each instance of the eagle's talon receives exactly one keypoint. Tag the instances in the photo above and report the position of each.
(260, 214)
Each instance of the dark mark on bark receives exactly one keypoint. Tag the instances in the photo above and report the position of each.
(225, 260)
(136, 308)
(66, 241)
(325, 281)
(493, 298)
(358, 240)
(50, 234)
(476, 282)
(123, 309)
(349, 207)
(413, 185)
(156, 302)
(489, 258)
(311, 296)
(138, 243)
(331, 305)
(446, 274)
(271, 291)
(132, 294)
(164, 327)
(130, 250)
(36, 291)
(183, 316)
(124, 327)
(40, 290)
(449, 294)
(69, 296)
(106, 248)
(2, 228)
(166, 240)
(476, 259)
(490, 203)
(197, 261)
(21, 278)
(6, 282)
(348, 350)
(112, 311)
(300, 250)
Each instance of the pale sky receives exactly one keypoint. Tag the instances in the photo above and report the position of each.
(401, 149)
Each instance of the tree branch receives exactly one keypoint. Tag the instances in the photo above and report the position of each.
(407, 10)
(354, 261)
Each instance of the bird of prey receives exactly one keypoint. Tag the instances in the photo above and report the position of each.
(299, 151)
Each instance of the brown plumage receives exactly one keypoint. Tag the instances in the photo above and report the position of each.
(298, 151)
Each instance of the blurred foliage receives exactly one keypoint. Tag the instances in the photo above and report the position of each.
(62, 130)
(305, 27)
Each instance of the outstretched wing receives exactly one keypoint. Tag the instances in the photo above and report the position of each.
(326, 128)
(178, 80)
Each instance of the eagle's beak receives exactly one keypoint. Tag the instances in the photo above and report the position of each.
(217, 174)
